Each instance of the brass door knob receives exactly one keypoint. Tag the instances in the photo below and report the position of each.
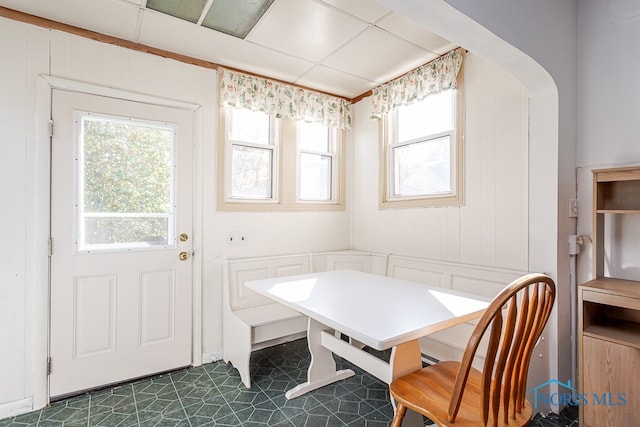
(184, 256)
(184, 237)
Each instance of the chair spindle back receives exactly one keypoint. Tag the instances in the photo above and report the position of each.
(528, 302)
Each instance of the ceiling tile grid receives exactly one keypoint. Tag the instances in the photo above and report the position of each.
(367, 10)
(111, 17)
(379, 56)
(304, 28)
(329, 80)
(345, 47)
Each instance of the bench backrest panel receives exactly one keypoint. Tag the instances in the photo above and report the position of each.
(477, 280)
(242, 270)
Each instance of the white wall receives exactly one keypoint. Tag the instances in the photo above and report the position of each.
(608, 126)
(491, 228)
(267, 234)
(537, 43)
(543, 30)
(26, 52)
(23, 53)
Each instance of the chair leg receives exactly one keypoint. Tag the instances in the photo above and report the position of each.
(397, 419)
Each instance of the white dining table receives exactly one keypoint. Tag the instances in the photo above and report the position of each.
(372, 310)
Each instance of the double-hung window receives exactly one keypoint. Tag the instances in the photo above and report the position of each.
(316, 162)
(421, 157)
(252, 156)
(270, 163)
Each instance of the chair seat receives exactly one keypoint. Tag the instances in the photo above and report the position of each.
(515, 328)
(428, 391)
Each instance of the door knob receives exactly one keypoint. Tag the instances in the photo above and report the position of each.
(184, 237)
(184, 256)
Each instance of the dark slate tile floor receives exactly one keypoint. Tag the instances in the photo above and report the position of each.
(212, 395)
(567, 418)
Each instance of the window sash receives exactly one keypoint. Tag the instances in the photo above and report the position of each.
(393, 185)
(390, 196)
(330, 185)
(272, 158)
(271, 148)
(250, 139)
(329, 153)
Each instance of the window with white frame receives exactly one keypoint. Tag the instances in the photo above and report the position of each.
(252, 155)
(316, 162)
(126, 183)
(421, 158)
(279, 164)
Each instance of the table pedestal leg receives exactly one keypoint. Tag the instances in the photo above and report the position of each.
(406, 358)
(322, 370)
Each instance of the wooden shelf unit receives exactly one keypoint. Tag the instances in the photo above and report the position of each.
(611, 311)
(609, 315)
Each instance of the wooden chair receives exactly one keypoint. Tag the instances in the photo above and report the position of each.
(456, 394)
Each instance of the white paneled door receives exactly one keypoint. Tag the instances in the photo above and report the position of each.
(121, 223)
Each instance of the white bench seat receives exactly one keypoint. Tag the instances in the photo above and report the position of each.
(271, 322)
(252, 322)
(265, 314)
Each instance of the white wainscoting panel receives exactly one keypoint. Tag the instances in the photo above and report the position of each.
(368, 262)
(240, 296)
(260, 268)
(478, 280)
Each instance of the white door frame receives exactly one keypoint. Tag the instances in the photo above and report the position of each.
(38, 284)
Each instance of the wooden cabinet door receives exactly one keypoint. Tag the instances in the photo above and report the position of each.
(611, 387)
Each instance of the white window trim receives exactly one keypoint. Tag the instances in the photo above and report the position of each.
(454, 198)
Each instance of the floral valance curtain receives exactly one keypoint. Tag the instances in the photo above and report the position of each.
(260, 94)
(430, 78)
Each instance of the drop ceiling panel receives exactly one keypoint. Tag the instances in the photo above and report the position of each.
(235, 17)
(367, 10)
(113, 18)
(304, 28)
(179, 36)
(189, 10)
(330, 45)
(161, 30)
(332, 81)
(378, 56)
(409, 30)
(267, 63)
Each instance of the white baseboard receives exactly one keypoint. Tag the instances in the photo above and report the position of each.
(17, 407)
(211, 357)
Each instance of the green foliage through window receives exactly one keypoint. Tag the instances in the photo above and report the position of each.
(127, 181)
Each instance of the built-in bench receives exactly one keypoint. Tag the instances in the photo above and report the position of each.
(252, 322)
(484, 281)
